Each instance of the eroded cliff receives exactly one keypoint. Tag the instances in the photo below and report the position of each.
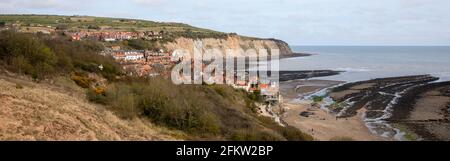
(231, 42)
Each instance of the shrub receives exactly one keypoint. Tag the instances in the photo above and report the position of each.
(26, 54)
(125, 102)
(95, 27)
(161, 102)
(22, 64)
(251, 105)
(140, 44)
(179, 109)
(62, 27)
(201, 110)
(93, 96)
(19, 86)
(226, 91)
(82, 81)
(255, 96)
(42, 56)
(219, 111)
(220, 90)
(293, 134)
(288, 132)
(253, 135)
(99, 90)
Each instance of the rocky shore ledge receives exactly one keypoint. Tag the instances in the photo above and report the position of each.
(306, 74)
(413, 106)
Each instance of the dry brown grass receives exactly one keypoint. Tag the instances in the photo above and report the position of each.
(43, 112)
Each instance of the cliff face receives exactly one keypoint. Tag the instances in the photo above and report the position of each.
(232, 42)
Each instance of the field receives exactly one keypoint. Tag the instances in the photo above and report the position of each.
(89, 23)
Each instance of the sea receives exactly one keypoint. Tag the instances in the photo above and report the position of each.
(369, 62)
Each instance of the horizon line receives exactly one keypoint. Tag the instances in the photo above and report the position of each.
(376, 45)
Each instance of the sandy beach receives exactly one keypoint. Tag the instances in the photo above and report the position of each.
(320, 124)
(324, 126)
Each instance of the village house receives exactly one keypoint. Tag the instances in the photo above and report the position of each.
(134, 55)
(241, 84)
(110, 36)
(103, 35)
(151, 35)
(115, 47)
(119, 55)
(141, 62)
(270, 92)
(129, 55)
(77, 35)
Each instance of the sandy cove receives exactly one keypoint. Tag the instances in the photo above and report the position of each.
(321, 125)
(324, 126)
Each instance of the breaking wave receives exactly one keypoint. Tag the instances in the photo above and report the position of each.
(350, 69)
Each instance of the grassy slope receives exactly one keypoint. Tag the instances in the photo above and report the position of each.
(58, 111)
(203, 112)
(77, 22)
(85, 21)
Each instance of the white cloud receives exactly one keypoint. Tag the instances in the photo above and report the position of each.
(149, 2)
(32, 4)
(297, 21)
(41, 4)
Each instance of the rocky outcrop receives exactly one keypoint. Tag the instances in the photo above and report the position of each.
(231, 42)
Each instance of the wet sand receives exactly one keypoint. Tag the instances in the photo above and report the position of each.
(320, 124)
(403, 108)
(427, 114)
(396, 108)
(324, 126)
(295, 89)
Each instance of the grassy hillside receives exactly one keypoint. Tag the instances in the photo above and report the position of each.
(42, 56)
(80, 22)
(202, 112)
(76, 23)
(216, 112)
(58, 110)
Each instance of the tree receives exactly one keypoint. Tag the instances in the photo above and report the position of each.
(41, 57)
(62, 27)
(95, 27)
(140, 44)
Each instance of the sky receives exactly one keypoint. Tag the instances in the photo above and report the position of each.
(298, 22)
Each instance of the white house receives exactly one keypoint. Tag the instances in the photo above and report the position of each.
(133, 55)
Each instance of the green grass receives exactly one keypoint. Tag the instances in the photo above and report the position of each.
(203, 111)
(41, 56)
(84, 22)
(214, 112)
(75, 23)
